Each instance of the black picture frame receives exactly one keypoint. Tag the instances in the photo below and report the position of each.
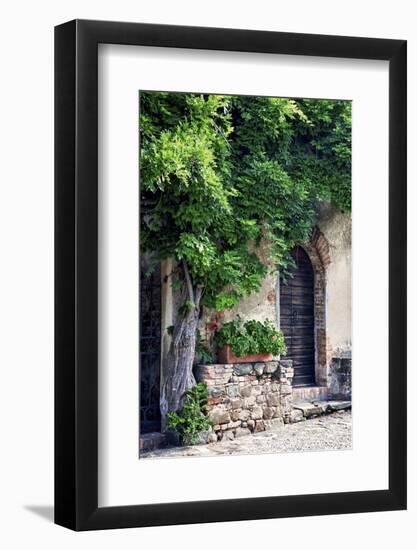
(76, 272)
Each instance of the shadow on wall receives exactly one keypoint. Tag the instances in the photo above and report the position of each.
(45, 512)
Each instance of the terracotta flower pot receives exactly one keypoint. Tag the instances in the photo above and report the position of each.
(225, 355)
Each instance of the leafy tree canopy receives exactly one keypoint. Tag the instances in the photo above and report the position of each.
(220, 174)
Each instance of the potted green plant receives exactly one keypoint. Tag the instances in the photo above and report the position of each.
(249, 341)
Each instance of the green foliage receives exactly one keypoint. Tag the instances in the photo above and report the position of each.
(190, 421)
(251, 337)
(321, 150)
(202, 353)
(220, 174)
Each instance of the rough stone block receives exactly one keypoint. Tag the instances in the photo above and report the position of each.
(245, 391)
(268, 412)
(216, 391)
(236, 403)
(278, 412)
(244, 415)
(233, 425)
(219, 416)
(271, 367)
(256, 413)
(259, 426)
(242, 369)
(214, 400)
(272, 399)
(259, 368)
(226, 403)
(221, 380)
(249, 402)
(232, 390)
(222, 369)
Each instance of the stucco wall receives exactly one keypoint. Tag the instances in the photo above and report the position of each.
(336, 228)
(259, 306)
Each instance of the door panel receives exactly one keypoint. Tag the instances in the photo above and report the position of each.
(297, 318)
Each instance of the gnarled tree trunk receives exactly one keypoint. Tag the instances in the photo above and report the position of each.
(178, 376)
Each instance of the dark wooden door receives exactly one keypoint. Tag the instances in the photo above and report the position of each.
(150, 347)
(297, 318)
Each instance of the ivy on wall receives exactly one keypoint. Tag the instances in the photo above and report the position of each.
(219, 174)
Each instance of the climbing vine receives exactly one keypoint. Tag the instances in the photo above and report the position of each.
(221, 174)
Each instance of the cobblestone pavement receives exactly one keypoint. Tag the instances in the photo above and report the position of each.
(329, 432)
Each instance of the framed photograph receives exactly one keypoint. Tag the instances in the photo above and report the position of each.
(230, 252)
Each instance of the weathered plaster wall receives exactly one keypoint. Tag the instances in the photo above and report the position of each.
(336, 228)
(259, 306)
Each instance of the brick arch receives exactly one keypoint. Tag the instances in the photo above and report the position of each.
(321, 245)
(318, 250)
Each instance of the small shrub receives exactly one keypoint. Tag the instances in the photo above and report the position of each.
(202, 353)
(190, 422)
(251, 337)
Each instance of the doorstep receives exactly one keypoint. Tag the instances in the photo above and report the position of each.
(309, 393)
(152, 440)
(317, 408)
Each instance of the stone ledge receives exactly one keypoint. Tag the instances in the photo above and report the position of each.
(317, 408)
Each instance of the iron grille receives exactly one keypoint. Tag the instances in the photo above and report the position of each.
(150, 348)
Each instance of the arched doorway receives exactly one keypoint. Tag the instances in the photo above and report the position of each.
(297, 318)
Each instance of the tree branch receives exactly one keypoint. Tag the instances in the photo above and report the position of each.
(198, 294)
(188, 281)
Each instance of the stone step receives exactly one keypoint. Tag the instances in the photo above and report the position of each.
(339, 405)
(152, 441)
(309, 393)
(317, 408)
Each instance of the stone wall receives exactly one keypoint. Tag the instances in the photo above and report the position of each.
(340, 376)
(247, 397)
